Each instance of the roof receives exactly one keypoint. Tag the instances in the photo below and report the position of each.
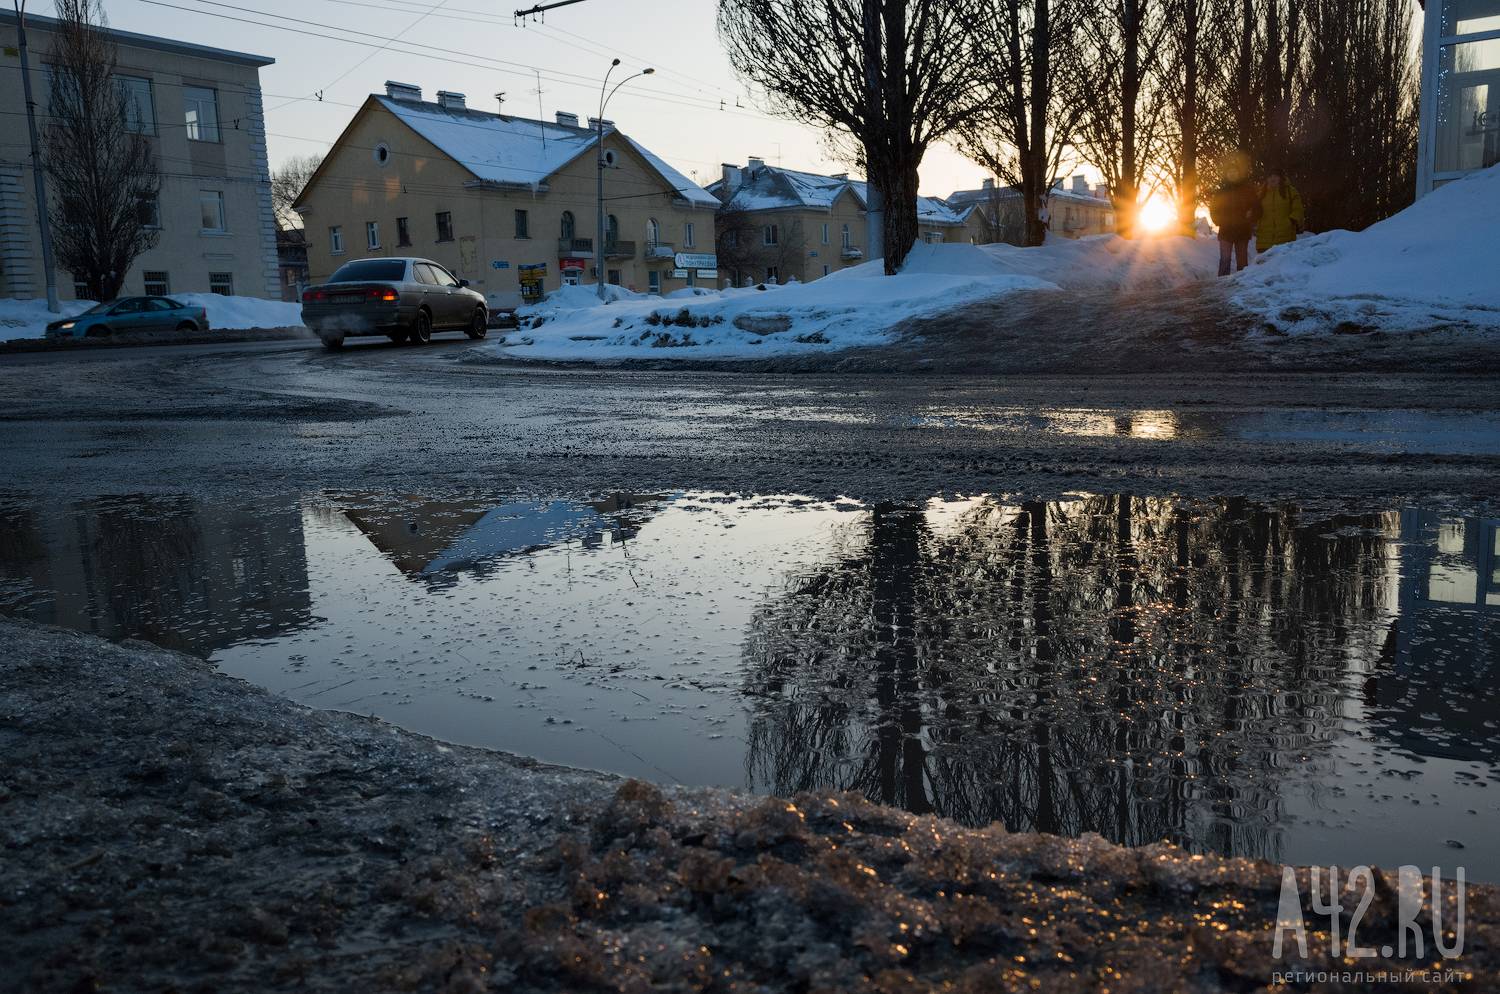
(517, 151)
(131, 39)
(774, 188)
(960, 199)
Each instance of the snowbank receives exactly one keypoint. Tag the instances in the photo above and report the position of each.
(1097, 262)
(1432, 264)
(29, 318)
(573, 323)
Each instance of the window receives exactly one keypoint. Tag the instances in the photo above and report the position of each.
(135, 101)
(156, 283)
(382, 153)
(690, 280)
(611, 233)
(825, 269)
(771, 272)
(392, 270)
(221, 283)
(1468, 95)
(336, 240)
(445, 226)
(768, 235)
(825, 237)
(731, 238)
(687, 236)
(845, 234)
(653, 233)
(522, 228)
(80, 290)
(569, 226)
(403, 231)
(653, 281)
(202, 113)
(212, 204)
(614, 277)
(372, 234)
(150, 212)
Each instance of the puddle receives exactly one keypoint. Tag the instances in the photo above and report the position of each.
(1379, 431)
(1242, 679)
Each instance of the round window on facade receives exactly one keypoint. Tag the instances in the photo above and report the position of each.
(382, 154)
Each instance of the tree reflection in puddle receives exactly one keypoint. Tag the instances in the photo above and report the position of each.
(1141, 668)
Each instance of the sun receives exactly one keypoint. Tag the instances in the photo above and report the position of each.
(1157, 213)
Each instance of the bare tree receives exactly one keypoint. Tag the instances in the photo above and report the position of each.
(287, 183)
(1182, 87)
(1028, 113)
(884, 78)
(104, 202)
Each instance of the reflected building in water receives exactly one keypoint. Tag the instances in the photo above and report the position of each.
(183, 574)
(1140, 668)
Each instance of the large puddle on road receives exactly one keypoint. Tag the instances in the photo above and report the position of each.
(1243, 679)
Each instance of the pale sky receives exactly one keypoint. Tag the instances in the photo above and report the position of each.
(674, 112)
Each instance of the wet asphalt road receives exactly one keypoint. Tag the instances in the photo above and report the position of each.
(459, 415)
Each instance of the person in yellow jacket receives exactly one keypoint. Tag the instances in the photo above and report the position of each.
(1281, 212)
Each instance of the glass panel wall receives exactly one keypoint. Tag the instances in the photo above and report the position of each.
(1468, 102)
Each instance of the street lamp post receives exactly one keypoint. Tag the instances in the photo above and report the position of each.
(599, 122)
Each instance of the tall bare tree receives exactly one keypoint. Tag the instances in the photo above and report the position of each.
(287, 182)
(1029, 111)
(884, 78)
(104, 200)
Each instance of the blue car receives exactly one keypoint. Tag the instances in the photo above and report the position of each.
(131, 314)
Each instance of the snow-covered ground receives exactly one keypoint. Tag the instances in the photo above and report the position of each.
(29, 318)
(857, 306)
(1433, 264)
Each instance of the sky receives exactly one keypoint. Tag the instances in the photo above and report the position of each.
(692, 111)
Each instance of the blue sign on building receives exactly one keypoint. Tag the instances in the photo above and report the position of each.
(501, 265)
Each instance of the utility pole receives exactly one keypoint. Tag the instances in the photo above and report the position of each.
(603, 101)
(36, 161)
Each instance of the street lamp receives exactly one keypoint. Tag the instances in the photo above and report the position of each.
(599, 245)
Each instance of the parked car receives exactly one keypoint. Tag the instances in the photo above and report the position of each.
(131, 314)
(403, 299)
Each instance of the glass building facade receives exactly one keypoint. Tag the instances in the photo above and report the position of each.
(1460, 111)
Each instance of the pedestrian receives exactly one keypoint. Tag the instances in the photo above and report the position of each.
(1281, 212)
(1235, 209)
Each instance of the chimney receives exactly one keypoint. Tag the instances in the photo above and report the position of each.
(402, 91)
(594, 124)
(989, 184)
(842, 176)
(731, 178)
(1080, 185)
(450, 101)
(567, 120)
(755, 166)
(1101, 191)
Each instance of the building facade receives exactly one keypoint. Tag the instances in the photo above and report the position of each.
(485, 194)
(200, 110)
(783, 224)
(997, 214)
(1459, 115)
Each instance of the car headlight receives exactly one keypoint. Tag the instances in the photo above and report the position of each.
(68, 324)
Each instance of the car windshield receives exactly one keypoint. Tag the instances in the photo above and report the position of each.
(100, 308)
(370, 269)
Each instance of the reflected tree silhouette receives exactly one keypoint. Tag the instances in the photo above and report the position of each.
(1140, 668)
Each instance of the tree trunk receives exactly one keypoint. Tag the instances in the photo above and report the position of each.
(1187, 203)
(1041, 67)
(1130, 89)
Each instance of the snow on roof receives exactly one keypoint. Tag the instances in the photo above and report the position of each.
(772, 187)
(512, 150)
(690, 191)
(929, 209)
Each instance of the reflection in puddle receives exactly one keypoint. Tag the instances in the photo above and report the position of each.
(1236, 677)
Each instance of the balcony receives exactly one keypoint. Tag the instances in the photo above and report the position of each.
(660, 250)
(851, 252)
(575, 248)
(619, 250)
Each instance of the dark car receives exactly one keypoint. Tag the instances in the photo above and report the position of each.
(131, 314)
(403, 299)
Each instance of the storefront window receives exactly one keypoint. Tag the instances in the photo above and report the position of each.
(1466, 17)
(1468, 105)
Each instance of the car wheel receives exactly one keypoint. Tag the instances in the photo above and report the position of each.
(420, 332)
(478, 325)
(332, 339)
(396, 336)
(97, 331)
(187, 326)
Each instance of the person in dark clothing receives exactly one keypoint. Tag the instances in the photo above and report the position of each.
(1236, 209)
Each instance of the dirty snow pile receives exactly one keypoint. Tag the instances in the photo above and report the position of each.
(1432, 265)
(749, 321)
(29, 318)
(1095, 262)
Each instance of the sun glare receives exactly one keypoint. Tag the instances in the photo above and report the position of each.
(1157, 214)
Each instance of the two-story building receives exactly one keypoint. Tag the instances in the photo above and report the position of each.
(784, 224)
(485, 194)
(200, 110)
(997, 213)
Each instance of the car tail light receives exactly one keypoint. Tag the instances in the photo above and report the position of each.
(387, 294)
(310, 295)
